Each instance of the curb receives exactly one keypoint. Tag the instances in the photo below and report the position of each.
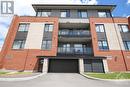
(112, 80)
(21, 79)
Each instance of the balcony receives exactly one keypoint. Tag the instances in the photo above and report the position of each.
(74, 20)
(73, 51)
(74, 35)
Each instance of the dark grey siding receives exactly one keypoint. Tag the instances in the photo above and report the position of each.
(55, 13)
(21, 36)
(125, 36)
(101, 36)
(92, 13)
(73, 13)
(47, 36)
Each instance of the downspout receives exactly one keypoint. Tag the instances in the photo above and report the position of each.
(120, 44)
(25, 60)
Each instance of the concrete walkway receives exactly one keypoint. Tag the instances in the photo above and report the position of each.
(63, 80)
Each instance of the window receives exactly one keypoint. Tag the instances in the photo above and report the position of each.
(65, 13)
(100, 28)
(44, 13)
(82, 14)
(103, 45)
(46, 44)
(18, 44)
(123, 28)
(126, 45)
(39, 14)
(48, 27)
(23, 27)
(104, 14)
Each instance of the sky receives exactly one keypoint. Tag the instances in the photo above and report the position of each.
(23, 7)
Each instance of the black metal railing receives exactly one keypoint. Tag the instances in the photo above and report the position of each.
(82, 33)
(77, 50)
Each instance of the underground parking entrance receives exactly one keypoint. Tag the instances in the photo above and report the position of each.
(71, 65)
(63, 66)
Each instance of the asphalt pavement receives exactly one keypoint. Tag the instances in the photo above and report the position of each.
(64, 80)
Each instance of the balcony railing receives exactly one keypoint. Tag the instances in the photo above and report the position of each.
(76, 51)
(82, 33)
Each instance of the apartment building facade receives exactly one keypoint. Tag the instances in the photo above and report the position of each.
(68, 38)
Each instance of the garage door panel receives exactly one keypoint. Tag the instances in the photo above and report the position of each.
(63, 65)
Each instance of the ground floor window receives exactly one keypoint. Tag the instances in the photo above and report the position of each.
(93, 65)
(18, 44)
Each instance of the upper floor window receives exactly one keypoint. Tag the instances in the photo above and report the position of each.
(100, 28)
(46, 44)
(18, 44)
(102, 44)
(65, 13)
(123, 28)
(103, 13)
(126, 45)
(44, 13)
(23, 27)
(48, 27)
(82, 14)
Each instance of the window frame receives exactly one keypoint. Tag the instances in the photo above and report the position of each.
(126, 46)
(121, 28)
(102, 45)
(26, 27)
(21, 45)
(48, 13)
(46, 47)
(99, 28)
(47, 29)
(80, 15)
(39, 13)
(107, 13)
(67, 13)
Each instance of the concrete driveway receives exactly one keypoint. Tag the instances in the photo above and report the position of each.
(63, 80)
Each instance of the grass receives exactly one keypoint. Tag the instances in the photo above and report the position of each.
(1, 73)
(14, 73)
(23, 73)
(120, 75)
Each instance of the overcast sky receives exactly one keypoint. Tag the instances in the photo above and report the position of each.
(23, 7)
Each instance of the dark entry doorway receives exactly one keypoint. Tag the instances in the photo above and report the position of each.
(40, 65)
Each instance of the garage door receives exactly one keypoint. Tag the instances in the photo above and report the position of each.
(93, 65)
(63, 65)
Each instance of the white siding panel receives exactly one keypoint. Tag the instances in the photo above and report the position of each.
(112, 36)
(35, 35)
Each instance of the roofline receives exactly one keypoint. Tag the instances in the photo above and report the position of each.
(112, 6)
(69, 5)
